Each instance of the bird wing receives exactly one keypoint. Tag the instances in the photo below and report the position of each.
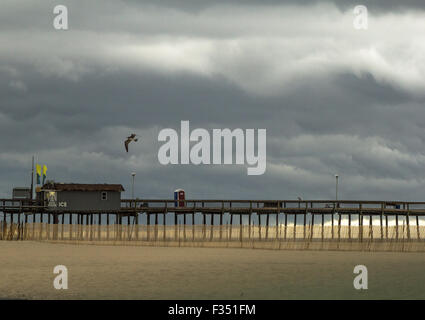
(133, 135)
(126, 142)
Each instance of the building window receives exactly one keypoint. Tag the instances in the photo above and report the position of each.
(104, 195)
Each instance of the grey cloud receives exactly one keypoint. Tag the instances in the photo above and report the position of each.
(71, 102)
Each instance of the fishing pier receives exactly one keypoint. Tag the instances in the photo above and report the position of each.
(231, 221)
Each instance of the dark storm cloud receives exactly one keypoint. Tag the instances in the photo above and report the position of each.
(340, 103)
(376, 5)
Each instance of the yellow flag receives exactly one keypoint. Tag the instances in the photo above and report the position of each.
(38, 172)
(44, 173)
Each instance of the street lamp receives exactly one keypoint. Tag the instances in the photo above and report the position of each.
(336, 187)
(133, 174)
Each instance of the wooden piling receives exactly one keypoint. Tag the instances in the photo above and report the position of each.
(339, 226)
(386, 226)
(408, 226)
(70, 226)
(267, 225)
(396, 226)
(25, 227)
(107, 226)
(164, 222)
(204, 225)
(349, 226)
(212, 227)
(221, 225)
(417, 228)
(48, 226)
(249, 222)
(371, 226)
(259, 225)
(277, 223)
(240, 227)
(231, 226)
(99, 226)
(312, 226)
(193, 225)
(175, 225)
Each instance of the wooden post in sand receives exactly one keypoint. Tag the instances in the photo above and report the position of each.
(240, 227)
(41, 227)
(386, 226)
(381, 224)
(33, 227)
(312, 226)
(91, 226)
(19, 224)
(70, 226)
(231, 226)
(286, 225)
(221, 225)
(417, 227)
(99, 226)
(204, 225)
(10, 237)
(212, 227)
(184, 226)
(396, 226)
(408, 221)
(277, 220)
(360, 223)
(136, 225)
(408, 226)
(371, 227)
(259, 226)
(175, 225)
(48, 226)
(86, 227)
(349, 226)
(267, 225)
(25, 227)
(107, 226)
(249, 222)
(295, 226)
(323, 227)
(193, 224)
(62, 224)
(164, 223)
(4, 225)
(339, 226)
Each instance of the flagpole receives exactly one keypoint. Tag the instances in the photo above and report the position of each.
(32, 179)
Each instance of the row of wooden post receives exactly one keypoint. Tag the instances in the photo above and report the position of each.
(88, 219)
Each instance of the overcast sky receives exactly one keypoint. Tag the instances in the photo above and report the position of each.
(333, 99)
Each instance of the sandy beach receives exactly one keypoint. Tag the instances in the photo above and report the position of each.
(126, 272)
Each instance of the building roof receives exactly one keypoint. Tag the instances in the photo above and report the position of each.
(82, 187)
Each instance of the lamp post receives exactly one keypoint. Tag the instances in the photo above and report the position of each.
(336, 187)
(133, 174)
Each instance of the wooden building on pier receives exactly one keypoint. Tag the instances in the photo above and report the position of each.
(80, 197)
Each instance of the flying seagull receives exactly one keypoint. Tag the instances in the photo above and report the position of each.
(130, 138)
